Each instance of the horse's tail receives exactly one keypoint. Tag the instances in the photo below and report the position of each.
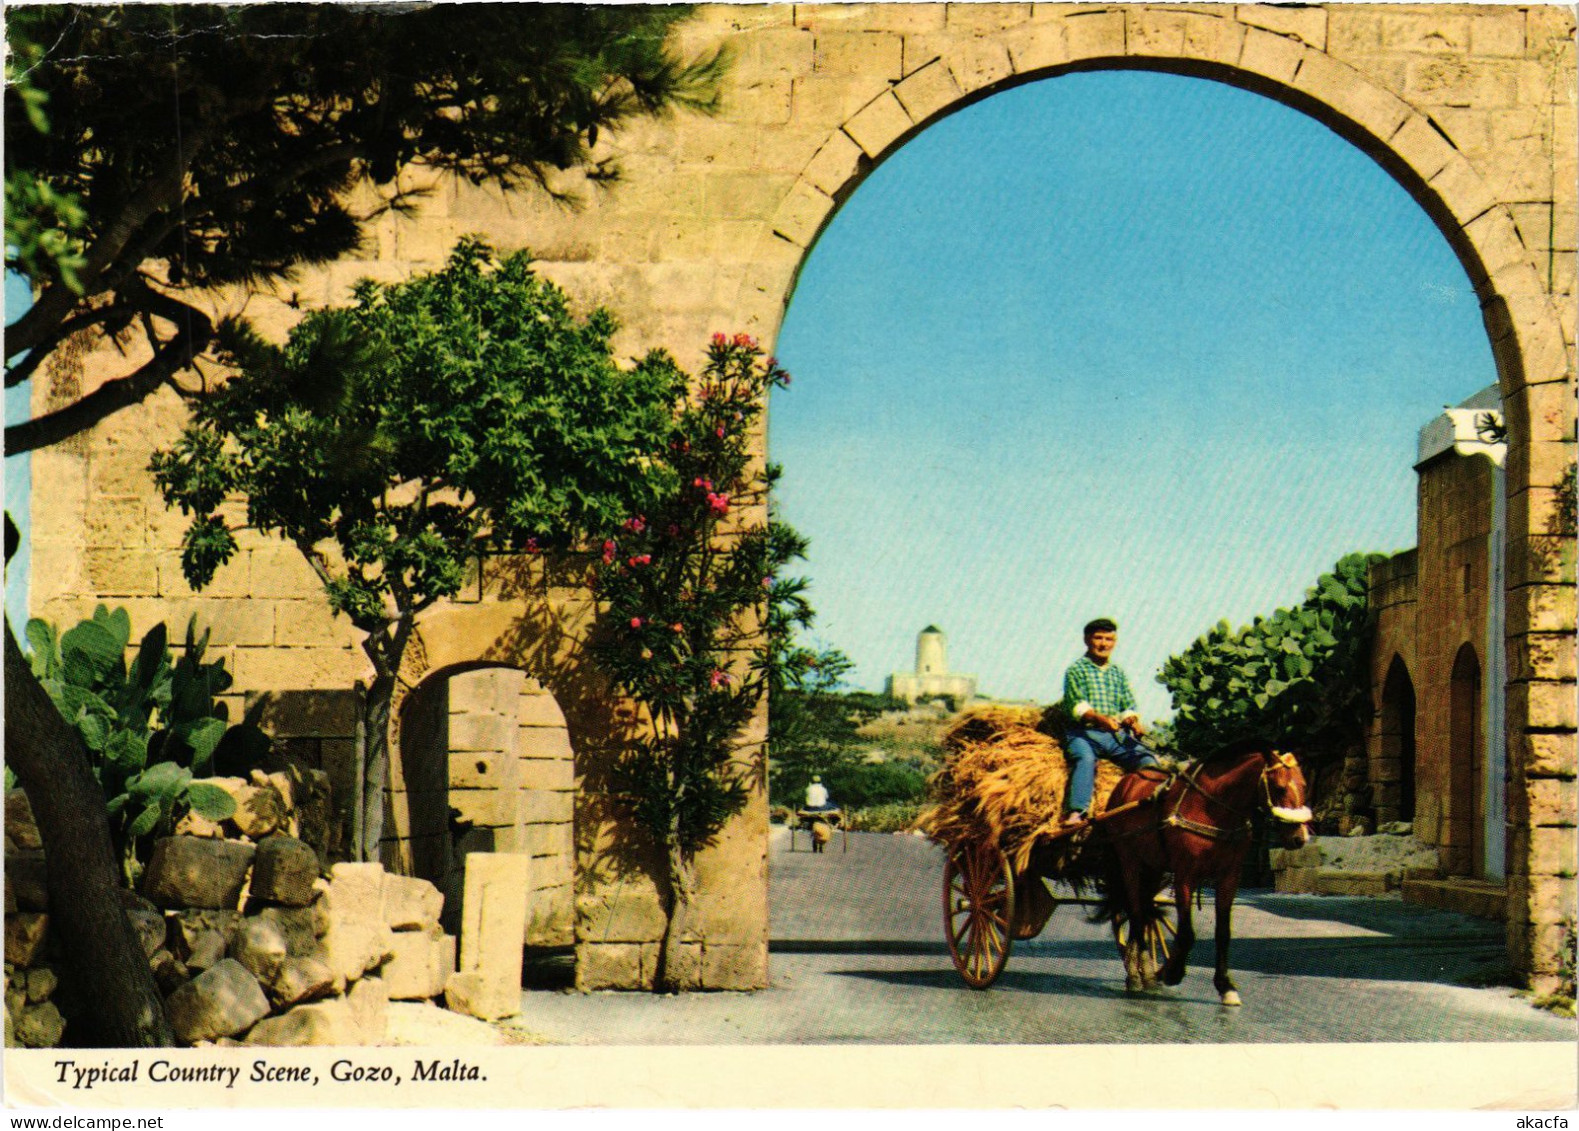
(1109, 884)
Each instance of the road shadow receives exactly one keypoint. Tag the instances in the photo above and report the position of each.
(1020, 981)
(1390, 917)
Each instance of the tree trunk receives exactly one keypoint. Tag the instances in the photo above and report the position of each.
(375, 713)
(677, 925)
(103, 957)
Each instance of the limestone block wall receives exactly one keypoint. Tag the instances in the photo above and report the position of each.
(1471, 108)
(1455, 520)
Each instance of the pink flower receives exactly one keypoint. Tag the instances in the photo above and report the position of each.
(674, 530)
(767, 583)
(718, 504)
(720, 340)
(704, 484)
(719, 431)
(745, 341)
(531, 546)
(640, 559)
(636, 525)
(636, 622)
(677, 627)
(608, 552)
(719, 679)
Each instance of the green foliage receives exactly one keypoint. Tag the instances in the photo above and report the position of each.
(1298, 677)
(150, 727)
(682, 587)
(156, 150)
(858, 784)
(462, 410)
(43, 224)
(392, 442)
(892, 817)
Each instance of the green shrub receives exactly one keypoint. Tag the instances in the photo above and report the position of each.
(862, 785)
(894, 817)
(150, 728)
(1298, 677)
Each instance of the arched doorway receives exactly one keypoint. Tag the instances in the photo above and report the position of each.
(487, 766)
(1394, 773)
(1463, 187)
(1464, 845)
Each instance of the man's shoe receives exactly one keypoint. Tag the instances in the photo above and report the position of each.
(1074, 820)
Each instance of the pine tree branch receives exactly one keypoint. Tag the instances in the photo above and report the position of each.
(196, 331)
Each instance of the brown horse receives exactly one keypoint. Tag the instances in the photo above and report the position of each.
(1194, 825)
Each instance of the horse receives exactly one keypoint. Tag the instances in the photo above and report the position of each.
(1194, 824)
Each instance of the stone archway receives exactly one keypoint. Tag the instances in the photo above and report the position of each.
(1394, 109)
(1464, 824)
(486, 763)
(1393, 773)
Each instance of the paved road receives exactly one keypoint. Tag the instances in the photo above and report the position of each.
(857, 956)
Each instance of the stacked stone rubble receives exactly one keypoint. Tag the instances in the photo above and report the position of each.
(294, 958)
(248, 941)
(31, 1017)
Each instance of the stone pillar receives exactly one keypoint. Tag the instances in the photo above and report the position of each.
(493, 923)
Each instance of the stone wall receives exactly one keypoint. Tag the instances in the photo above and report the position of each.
(250, 939)
(1455, 519)
(1472, 109)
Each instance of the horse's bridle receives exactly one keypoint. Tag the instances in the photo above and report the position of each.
(1289, 816)
(1299, 816)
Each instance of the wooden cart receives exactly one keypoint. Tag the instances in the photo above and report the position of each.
(987, 906)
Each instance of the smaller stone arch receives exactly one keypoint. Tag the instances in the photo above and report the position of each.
(1463, 829)
(487, 766)
(1393, 771)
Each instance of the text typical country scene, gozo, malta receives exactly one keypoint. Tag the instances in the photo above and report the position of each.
(881, 523)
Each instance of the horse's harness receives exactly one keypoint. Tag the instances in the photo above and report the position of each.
(1177, 820)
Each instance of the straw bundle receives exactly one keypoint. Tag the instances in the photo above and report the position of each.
(1002, 782)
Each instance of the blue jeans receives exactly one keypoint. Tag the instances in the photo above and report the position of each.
(1083, 746)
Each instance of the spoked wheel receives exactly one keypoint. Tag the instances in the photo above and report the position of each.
(978, 912)
(1160, 933)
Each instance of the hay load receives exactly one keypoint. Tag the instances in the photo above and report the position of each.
(1003, 781)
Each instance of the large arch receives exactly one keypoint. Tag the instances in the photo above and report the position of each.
(1283, 56)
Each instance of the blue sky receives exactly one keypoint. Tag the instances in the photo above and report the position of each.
(18, 469)
(1115, 343)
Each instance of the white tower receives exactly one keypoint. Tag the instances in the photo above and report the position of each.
(931, 651)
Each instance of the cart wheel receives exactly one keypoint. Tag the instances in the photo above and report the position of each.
(978, 911)
(1160, 932)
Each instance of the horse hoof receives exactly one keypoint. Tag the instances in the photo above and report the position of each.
(1232, 998)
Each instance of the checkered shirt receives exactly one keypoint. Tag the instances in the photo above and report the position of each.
(1104, 690)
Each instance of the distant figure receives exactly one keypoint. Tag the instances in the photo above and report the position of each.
(1103, 719)
(817, 796)
(821, 834)
(819, 814)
